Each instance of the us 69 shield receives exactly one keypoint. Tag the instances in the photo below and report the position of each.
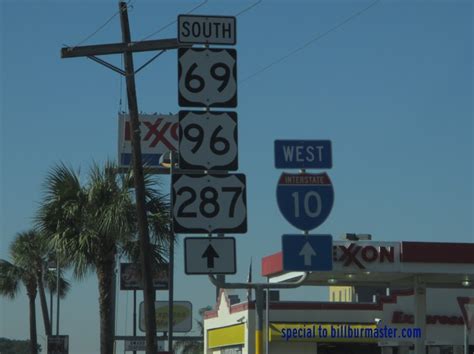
(208, 140)
(207, 77)
(208, 203)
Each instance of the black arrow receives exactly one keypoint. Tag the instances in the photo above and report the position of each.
(210, 253)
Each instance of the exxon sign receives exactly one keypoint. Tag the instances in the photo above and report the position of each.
(158, 133)
(364, 256)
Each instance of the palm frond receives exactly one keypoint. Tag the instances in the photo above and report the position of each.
(51, 283)
(10, 277)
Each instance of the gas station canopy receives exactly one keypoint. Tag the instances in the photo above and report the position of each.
(391, 264)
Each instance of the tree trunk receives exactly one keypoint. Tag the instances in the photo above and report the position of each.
(33, 335)
(44, 305)
(105, 271)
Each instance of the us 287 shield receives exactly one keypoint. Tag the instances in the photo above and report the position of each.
(305, 199)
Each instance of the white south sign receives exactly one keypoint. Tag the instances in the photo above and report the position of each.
(194, 29)
(209, 203)
(208, 140)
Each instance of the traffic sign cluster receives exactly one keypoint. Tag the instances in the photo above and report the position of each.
(208, 199)
(305, 200)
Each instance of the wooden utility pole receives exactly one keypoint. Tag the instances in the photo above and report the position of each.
(145, 257)
(126, 48)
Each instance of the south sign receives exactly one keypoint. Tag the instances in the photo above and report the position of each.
(305, 199)
(194, 29)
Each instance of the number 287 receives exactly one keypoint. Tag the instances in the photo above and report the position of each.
(208, 201)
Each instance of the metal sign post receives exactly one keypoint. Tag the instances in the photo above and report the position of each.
(207, 199)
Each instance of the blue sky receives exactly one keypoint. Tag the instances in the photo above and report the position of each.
(392, 89)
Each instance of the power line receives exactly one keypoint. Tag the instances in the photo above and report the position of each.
(248, 8)
(311, 41)
(174, 21)
(98, 29)
(194, 9)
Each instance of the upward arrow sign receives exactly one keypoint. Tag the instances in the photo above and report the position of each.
(210, 253)
(307, 252)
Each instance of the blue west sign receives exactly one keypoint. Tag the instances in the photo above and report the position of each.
(303, 154)
(305, 199)
(307, 253)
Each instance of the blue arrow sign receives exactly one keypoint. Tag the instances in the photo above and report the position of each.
(303, 154)
(307, 252)
(305, 199)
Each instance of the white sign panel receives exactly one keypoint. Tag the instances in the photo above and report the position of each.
(194, 29)
(208, 140)
(159, 135)
(206, 255)
(207, 203)
(207, 77)
(140, 345)
(131, 345)
(182, 316)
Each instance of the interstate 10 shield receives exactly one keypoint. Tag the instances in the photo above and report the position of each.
(305, 199)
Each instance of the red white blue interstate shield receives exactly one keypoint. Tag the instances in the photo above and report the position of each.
(305, 199)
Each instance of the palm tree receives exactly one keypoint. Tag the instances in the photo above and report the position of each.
(194, 346)
(91, 224)
(26, 251)
(29, 252)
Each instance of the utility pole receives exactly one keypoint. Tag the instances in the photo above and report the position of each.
(127, 48)
(145, 257)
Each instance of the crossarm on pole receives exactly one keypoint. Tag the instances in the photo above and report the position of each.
(120, 48)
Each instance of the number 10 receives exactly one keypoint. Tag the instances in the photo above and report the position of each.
(307, 198)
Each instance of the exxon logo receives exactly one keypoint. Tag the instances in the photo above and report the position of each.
(156, 132)
(358, 255)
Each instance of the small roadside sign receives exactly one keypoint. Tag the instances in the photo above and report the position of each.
(303, 154)
(140, 345)
(305, 199)
(131, 276)
(195, 29)
(206, 255)
(182, 316)
(58, 344)
(307, 252)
